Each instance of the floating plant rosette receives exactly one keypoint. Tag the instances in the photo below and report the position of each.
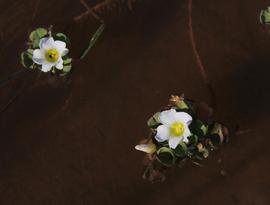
(47, 52)
(265, 16)
(183, 130)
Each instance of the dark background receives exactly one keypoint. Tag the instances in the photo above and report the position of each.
(73, 143)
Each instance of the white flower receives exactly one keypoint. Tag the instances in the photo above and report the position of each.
(148, 148)
(174, 127)
(50, 54)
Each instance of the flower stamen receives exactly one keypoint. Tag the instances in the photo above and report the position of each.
(177, 129)
(52, 55)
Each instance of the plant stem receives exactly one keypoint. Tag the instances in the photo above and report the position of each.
(12, 76)
(198, 58)
(93, 40)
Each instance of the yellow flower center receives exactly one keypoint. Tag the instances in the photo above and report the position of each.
(177, 129)
(52, 55)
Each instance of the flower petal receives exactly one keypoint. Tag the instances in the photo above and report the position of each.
(186, 134)
(162, 133)
(174, 141)
(185, 139)
(64, 52)
(46, 67)
(167, 117)
(148, 148)
(61, 47)
(38, 56)
(187, 131)
(59, 64)
(46, 43)
(183, 117)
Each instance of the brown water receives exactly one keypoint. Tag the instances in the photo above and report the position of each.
(74, 143)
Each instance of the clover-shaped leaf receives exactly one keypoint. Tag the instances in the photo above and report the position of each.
(26, 58)
(193, 139)
(154, 121)
(166, 156)
(265, 16)
(61, 37)
(181, 150)
(36, 35)
(198, 128)
(67, 61)
(67, 68)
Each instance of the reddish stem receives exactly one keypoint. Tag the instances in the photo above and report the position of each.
(198, 58)
(193, 44)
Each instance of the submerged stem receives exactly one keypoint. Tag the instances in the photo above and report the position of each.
(197, 56)
(93, 40)
(12, 76)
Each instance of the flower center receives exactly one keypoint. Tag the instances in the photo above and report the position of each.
(52, 55)
(177, 129)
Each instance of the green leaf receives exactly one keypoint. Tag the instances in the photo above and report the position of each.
(165, 156)
(193, 139)
(163, 144)
(26, 59)
(154, 121)
(204, 128)
(198, 128)
(61, 37)
(30, 51)
(93, 40)
(63, 74)
(67, 68)
(36, 35)
(265, 16)
(181, 150)
(67, 61)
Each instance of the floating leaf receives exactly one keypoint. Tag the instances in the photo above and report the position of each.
(67, 68)
(193, 139)
(198, 128)
(165, 156)
(62, 37)
(30, 51)
(204, 128)
(154, 121)
(181, 150)
(36, 35)
(163, 144)
(67, 61)
(265, 16)
(26, 59)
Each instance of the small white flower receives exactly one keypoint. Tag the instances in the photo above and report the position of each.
(174, 127)
(50, 54)
(148, 148)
